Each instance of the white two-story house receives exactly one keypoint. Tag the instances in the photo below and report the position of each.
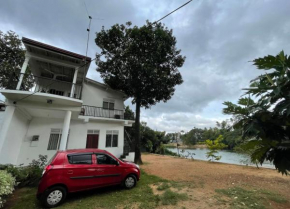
(61, 109)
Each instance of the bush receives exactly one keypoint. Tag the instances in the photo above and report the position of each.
(7, 183)
(27, 175)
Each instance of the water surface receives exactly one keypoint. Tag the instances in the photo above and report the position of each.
(227, 156)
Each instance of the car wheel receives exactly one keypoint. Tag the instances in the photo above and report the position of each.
(53, 197)
(130, 181)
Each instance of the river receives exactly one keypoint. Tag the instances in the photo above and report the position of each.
(227, 156)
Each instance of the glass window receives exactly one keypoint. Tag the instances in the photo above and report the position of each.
(54, 141)
(105, 105)
(108, 105)
(103, 159)
(112, 139)
(80, 159)
(55, 138)
(111, 106)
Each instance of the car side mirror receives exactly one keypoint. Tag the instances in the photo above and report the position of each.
(117, 163)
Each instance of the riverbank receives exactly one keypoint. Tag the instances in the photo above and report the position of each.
(222, 185)
(183, 146)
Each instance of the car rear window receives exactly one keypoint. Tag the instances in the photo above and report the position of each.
(80, 159)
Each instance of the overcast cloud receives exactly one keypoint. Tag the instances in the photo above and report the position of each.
(218, 37)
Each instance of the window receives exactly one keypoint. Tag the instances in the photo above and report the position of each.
(112, 139)
(80, 159)
(53, 91)
(54, 139)
(103, 159)
(108, 105)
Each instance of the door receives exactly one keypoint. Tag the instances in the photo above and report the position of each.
(92, 141)
(80, 171)
(107, 170)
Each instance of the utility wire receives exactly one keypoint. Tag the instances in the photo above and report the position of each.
(171, 12)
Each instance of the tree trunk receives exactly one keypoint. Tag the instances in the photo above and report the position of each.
(137, 159)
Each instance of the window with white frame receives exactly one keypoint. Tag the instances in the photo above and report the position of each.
(55, 138)
(112, 138)
(108, 104)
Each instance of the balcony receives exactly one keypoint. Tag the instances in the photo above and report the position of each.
(50, 85)
(101, 112)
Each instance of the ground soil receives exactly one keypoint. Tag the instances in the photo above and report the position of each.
(203, 178)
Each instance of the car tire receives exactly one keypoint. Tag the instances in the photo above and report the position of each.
(53, 197)
(130, 181)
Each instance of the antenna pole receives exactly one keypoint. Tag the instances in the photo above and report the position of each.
(85, 71)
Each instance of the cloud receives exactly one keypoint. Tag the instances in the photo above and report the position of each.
(219, 38)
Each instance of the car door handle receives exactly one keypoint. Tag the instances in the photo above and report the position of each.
(70, 172)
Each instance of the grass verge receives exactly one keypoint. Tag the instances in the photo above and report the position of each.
(112, 197)
(245, 198)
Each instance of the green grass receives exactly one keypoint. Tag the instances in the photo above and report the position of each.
(171, 198)
(163, 186)
(244, 198)
(111, 197)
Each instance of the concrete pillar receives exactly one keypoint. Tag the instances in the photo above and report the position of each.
(74, 82)
(23, 70)
(65, 130)
(9, 112)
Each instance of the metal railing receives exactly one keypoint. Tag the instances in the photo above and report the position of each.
(101, 112)
(41, 84)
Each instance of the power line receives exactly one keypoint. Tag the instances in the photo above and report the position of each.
(172, 12)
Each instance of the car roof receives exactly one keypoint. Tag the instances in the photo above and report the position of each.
(71, 151)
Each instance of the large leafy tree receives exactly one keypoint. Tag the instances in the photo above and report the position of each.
(12, 56)
(142, 62)
(265, 122)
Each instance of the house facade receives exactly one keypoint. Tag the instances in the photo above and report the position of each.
(51, 106)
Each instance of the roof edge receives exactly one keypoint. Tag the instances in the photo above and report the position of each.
(55, 49)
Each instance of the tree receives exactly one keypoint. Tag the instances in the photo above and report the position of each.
(142, 62)
(12, 56)
(214, 146)
(193, 136)
(266, 122)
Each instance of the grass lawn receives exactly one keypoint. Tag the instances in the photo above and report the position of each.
(141, 196)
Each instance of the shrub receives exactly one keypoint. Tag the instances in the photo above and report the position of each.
(7, 183)
(27, 175)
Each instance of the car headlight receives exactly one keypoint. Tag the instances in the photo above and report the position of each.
(137, 166)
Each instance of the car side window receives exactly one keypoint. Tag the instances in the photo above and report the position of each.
(103, 159)
(80, 159)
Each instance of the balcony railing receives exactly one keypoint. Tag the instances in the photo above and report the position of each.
(101, 112)
(41, 84)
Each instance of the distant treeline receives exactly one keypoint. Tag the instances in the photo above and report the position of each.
(231, 137)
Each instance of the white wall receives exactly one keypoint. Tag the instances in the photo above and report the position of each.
(93, 95)
(77, 137)
(2, 113)
(15, 135)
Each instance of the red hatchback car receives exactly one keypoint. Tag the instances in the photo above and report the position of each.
(83, 169)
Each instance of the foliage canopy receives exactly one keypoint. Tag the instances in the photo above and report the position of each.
(266, 122)
(142, 62)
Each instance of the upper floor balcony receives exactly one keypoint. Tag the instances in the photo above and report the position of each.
(102, 112)
(51, 73)
(47, 83)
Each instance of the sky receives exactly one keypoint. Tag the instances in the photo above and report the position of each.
(218, 37)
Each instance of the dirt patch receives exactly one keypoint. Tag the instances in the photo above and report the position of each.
(203, 178)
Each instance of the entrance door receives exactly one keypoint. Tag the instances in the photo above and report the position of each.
(92, 141)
